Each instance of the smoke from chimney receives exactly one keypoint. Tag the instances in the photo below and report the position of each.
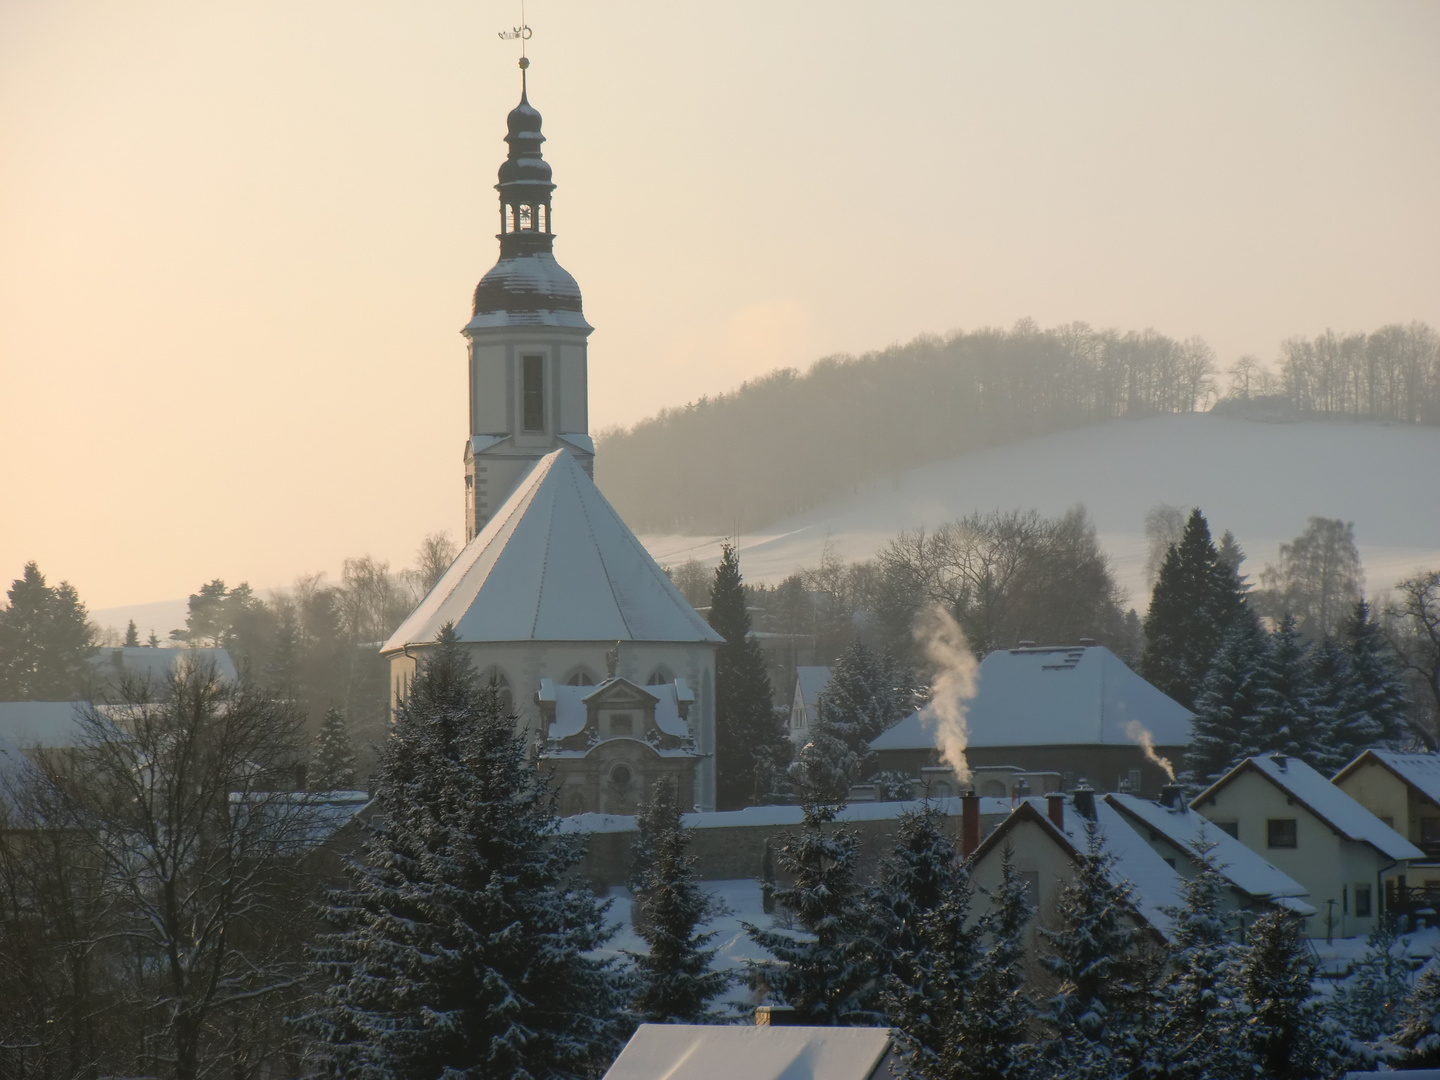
(940, 636)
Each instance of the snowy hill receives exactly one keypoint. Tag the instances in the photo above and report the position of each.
(1260, 480)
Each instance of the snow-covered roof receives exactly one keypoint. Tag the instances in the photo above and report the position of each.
(527, 289)
(1054, 696)
(42, 724)
(1324, 800)
(782, 816)
(570, 706)
(156, 665)
(1247, 870)
(810, 683)
(1420, 771)
(555, 563)
(725, 1051)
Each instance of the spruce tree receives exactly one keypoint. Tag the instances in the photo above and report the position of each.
(1285, 719)
(1369, 1004)
(673, 982)
(460, 946)
(1375, 703)
(132, 636)
(334, 766)
(1417, 1030)
(1201, 1031)
(750, 744)
(993, 1040)
(1286, 1036)
(1341, 734)
(1222, 734)
(1196, 599)
(826, 978)
(45, 641)
(1098, 959)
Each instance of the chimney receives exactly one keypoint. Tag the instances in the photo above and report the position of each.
(1026, 643)
(775, 1016)
(1170, 796)
(1087, 642)
(1280, 761)
(1084, 799)
(969, 824)
(1021, 789)
(1057, 809)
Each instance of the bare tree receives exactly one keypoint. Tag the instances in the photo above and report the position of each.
(1318, 579)
(1413, 627)
(180, 811)
(1164, 525)
(437, 552)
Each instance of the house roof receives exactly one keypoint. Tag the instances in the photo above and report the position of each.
(570, 705)
(39, 724)
(1247, 870)
(156, 665)
(1155, 886)
(1420, 771)
(555, 563)
(810, 683)
(723, 1051)
(1323, 799)
(1060, 696)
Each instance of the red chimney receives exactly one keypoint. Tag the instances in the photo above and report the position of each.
(1057, 808)
(969, 825)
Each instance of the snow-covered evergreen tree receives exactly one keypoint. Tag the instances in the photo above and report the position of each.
(1099, 958)
(1223, 729)
(1286, 1035)
(1417, 1030)
(823, 970)
(826, 766)
(1196, 599)
(1201, 1029)
(673, 981)
(334, 766)
(460, 947)
(1370, 1003)
(751, 749)
(1286, 719)
(132, 636)
(1375, 703)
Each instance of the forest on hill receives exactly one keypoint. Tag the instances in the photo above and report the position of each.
(787, 442)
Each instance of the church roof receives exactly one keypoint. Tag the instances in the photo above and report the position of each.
(555, 563)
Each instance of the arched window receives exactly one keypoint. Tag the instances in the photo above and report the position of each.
(580, 678)
(658, 677)
(509, 218)
(527, 220)
(541, 214)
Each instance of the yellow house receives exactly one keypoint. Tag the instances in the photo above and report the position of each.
(1317, 834)
(1403, 791)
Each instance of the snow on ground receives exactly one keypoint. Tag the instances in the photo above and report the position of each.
(1260, 480)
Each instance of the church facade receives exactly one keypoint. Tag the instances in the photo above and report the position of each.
(606, 666)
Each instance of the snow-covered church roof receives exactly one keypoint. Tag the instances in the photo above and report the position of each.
(555, 563)
(1054, 696)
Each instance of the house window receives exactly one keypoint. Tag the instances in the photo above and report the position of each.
(1134, 779)
(621, 776)
(581, 678)
(1030, 879)
(622, 723)
(1280, 833)
(533, 393)
(656, 678)
(1362, 901)
(1231, 828)
(1430, 830)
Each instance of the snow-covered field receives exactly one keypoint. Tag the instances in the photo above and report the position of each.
(1260, 480)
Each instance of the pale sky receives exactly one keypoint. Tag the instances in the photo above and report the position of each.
(238, 240)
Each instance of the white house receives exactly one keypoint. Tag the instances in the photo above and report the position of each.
(1305, 825)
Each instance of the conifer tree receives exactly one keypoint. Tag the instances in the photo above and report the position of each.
(1201, 1031)
(460, 947)
(750, 745)
(1285, 718)
(1097, 957)
(1196, 598)
(826, 979)
(1417, 1030)
(1286, 1036)
(674, 982)
(45, 641)
(1374, 705)
(1369, 1004)
(993, 1041)
(1223, 731)
(132, 636)
(334, 766)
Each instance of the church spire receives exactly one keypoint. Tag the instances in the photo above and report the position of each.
(525, 187)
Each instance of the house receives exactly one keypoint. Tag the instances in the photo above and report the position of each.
(1175, 831)
(761, 1052)
(810, 683)
(142, 665)
(1314, 832)
(606, 745)
(1076, 710)
(1047, 837)
(1403, 791)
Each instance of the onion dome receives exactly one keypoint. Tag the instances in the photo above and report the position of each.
(527, 286)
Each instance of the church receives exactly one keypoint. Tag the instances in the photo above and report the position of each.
(605, 665)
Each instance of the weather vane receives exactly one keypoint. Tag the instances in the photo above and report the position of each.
(519, 33)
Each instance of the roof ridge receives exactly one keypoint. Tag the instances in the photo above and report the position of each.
(600, 556)
(545, 553)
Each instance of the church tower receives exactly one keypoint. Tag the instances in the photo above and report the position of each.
(528, 353)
